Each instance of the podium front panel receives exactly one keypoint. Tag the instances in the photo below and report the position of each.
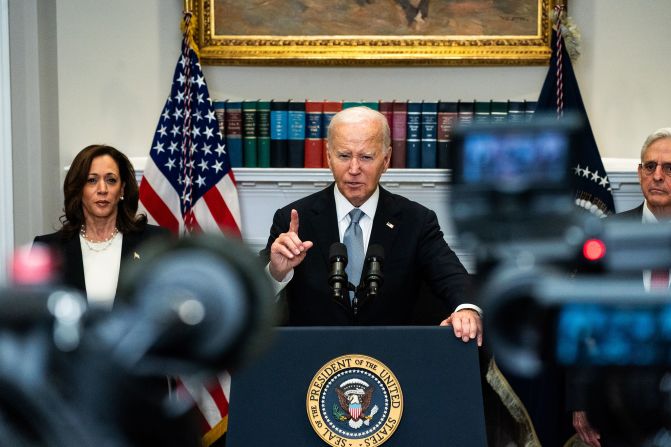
(437, 373)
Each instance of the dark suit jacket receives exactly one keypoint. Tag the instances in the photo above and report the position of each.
(634, 213)
(68, 249)
(414, 251)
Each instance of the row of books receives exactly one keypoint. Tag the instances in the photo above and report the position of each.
(292, 134)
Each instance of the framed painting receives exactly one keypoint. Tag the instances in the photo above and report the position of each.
(373, 32)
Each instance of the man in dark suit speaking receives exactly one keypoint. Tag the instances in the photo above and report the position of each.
(355, 208)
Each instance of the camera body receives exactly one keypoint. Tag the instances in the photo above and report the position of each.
(73, 375)
(561, 288)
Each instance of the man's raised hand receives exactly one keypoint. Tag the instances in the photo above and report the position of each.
(288, 250)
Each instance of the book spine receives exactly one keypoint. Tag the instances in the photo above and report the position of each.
(296, 134)
(279, 133)
(313, 134)
(414, 136)
(387, 109)
(529, 109)
(516, 112)
(249, 133)
(399, 132)
(465, 112)
(498, 111)
(429, 134)
(263, 134)
(447, 119)
(350, 104)
(375, 105)
(233, 118)
(220, 114)
(330, 109)
(481, 112)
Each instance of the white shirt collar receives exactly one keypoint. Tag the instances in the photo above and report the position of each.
(648, 217)
(343, 206)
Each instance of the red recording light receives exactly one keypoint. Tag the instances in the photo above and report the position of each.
(593, 249)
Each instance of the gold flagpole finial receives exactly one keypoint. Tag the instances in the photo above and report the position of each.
(187, 6)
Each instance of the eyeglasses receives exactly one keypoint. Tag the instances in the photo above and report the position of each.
(650, 167)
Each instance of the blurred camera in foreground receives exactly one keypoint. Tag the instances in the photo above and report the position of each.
(560, 287)
(70, 375)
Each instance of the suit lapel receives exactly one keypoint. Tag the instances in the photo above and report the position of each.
(74, 264)
(387, 219)
(323, 223)
(128, 254)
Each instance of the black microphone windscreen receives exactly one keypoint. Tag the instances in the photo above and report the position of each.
(375, 250)
(337, 250)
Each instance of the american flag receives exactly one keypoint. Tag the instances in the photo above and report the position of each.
(188, 186)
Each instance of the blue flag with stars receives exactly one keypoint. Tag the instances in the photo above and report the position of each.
(561, 94)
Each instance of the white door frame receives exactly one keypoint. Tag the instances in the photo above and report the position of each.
(6, 179)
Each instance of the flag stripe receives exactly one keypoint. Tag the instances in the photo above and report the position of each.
(204, 401)
(224, 220)
(156, 208)
(229, 192)
(225, 382)
(217, 393)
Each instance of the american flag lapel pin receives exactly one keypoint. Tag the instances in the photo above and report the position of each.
(390, 225)
(136, 255)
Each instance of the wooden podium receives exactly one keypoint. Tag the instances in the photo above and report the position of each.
(359, 387)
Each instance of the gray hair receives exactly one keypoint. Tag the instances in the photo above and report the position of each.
(664, 132)
(356, 115)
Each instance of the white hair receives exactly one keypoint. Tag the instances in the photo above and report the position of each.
(357, 115)
(664, 132)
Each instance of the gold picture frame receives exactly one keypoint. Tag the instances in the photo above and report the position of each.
(307, 32)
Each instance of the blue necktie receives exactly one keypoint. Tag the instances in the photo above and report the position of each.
(353, 240)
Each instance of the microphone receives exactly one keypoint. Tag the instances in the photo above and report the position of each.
(372, 270)
(337, 275)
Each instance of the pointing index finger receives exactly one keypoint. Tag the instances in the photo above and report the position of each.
(293, 225)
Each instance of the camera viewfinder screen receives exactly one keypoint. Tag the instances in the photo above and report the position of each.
(515, 159)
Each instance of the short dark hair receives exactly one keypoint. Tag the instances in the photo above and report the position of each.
(127, 219)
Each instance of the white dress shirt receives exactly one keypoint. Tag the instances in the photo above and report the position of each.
(101, 270)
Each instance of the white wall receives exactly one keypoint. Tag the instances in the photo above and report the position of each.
(115, 61)
(36, 160)
(624, 70)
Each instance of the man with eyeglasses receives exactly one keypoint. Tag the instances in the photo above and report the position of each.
(654, 174)
(359, 151)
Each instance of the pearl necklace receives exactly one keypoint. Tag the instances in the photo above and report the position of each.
(99, 245)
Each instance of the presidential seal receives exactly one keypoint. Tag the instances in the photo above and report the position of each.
(354, 401)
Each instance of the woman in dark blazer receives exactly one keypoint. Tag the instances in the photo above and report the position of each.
(100, 228)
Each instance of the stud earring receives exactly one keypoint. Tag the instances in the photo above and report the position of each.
(121, 197)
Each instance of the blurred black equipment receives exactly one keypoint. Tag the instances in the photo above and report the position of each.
(337, 275)
(72, 376)
(513, 208)
(372, 271)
